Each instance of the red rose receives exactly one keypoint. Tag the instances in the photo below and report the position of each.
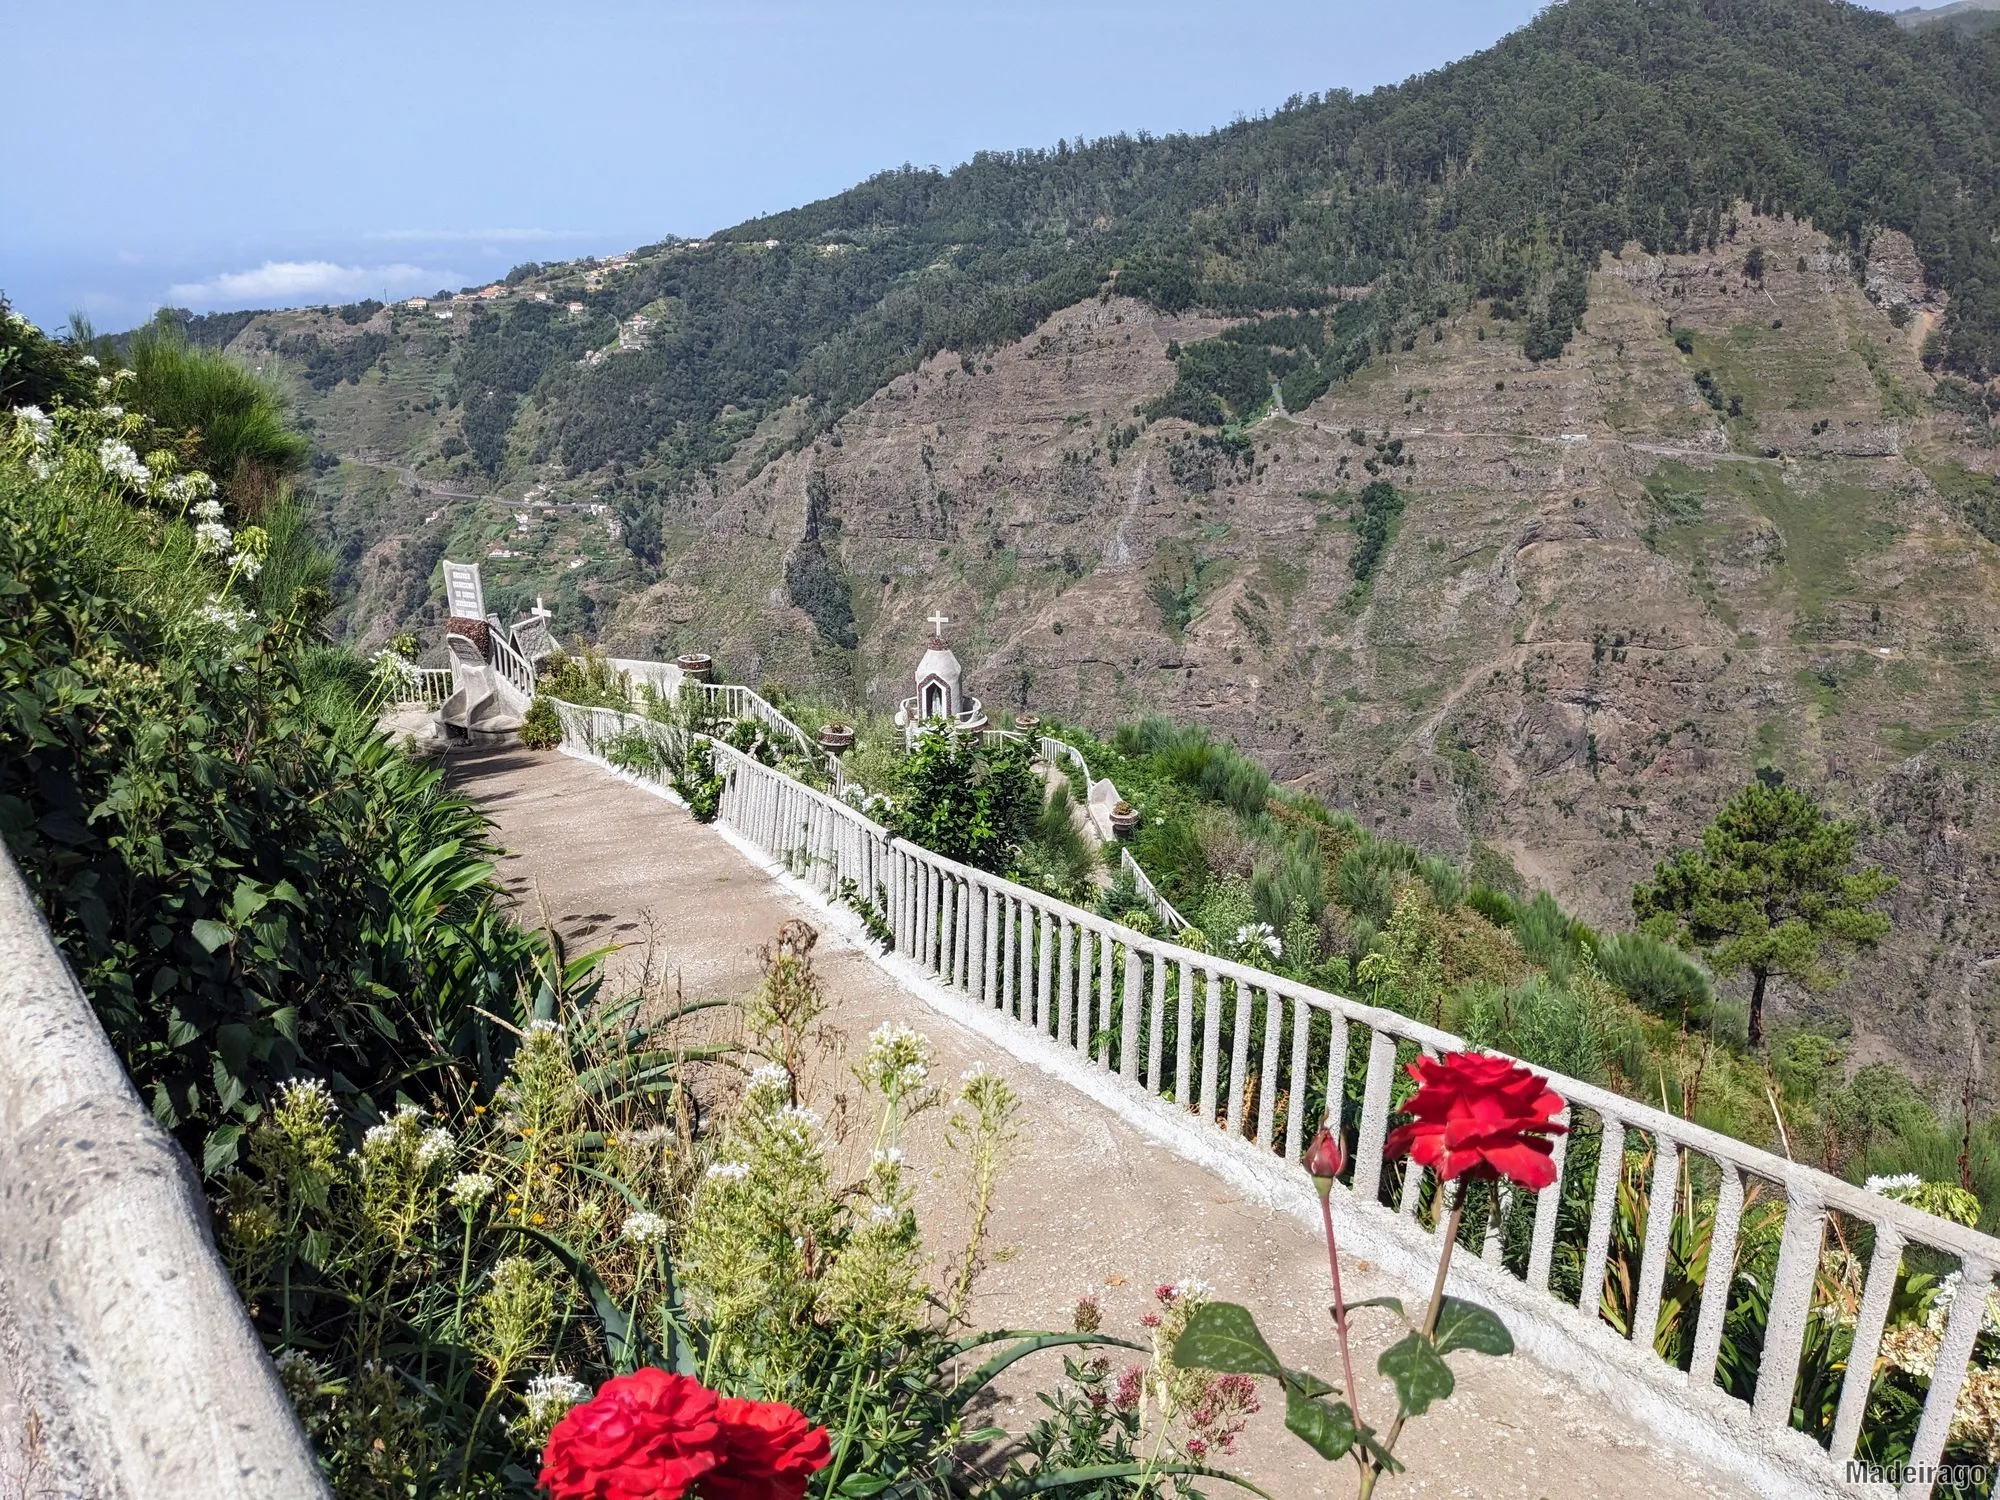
(644, 1436)
(1481, 1117)
(769, 1452)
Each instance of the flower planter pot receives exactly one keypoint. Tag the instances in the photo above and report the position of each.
(1124, 819)
(837, 738)
(696, 665)
(1027, 723)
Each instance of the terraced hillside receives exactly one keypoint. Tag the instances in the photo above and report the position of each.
(1530, 541)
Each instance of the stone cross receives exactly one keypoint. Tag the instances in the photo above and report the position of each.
(938, 622)
(541, 611)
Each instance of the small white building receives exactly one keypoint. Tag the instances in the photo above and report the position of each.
(940, 697)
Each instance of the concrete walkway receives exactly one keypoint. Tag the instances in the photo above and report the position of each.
(1088, 1205)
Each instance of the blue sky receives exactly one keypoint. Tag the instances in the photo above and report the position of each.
(248, 154)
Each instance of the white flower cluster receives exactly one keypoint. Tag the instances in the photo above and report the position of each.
(212, 539)
(104, 384)
(644, 1228)
(887, 1158)
(550, 1397)
(1889, 1187)
(305, 1094)
(436, 1145)
(1256, 935)
(728, 1171)
(228, 616)
(88, 361)
(190, 487)
(770, 1086)
(118, 460)
(470, 1189)
(37, 423)
(898, 1060)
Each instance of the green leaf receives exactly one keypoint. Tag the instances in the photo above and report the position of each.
(219, 1150)
(212, 935)
(1329, 1430)
(1043, 1483)
(1420, 1373)
(1306, 1383)
(1467, 1325)
(862, 1485)
(1223, 1336)
(1394, 1304)
(1031, 1343)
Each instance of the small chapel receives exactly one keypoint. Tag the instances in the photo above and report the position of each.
(940, 694)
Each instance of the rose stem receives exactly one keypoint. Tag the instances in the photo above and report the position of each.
(1340, 1311)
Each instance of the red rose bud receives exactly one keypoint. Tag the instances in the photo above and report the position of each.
(1326, 1159)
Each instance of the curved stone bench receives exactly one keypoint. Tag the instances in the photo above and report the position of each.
(128, 1368)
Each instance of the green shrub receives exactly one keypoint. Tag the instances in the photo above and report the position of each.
(966, 800)
(1658, 977)
(541, 726)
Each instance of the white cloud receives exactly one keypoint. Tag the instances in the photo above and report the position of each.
(290, 283)
(477, 236)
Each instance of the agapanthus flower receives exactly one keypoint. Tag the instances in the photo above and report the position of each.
(104, 382)
(37, 422)
(120, 462)
(88, 361)
(1260, 935)
(212, 539)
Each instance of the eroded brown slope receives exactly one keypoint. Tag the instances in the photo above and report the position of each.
(1607, 601)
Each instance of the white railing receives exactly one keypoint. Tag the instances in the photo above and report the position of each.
(413, 684)
(1251, 1053)
(1162, 907)
(1056, 751)
(512, 665)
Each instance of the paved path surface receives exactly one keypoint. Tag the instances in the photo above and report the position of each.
(1088, 1205)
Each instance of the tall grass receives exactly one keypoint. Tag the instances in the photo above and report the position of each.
(235, 420)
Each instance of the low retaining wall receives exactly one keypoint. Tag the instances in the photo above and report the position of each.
(128, 1369)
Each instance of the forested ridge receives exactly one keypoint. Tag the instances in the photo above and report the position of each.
(1500, 176)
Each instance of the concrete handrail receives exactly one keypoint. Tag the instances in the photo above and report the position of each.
(1149, 1011)
(128, 1368)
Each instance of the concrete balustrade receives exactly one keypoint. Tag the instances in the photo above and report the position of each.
(128, 1368)
(1151, 1012)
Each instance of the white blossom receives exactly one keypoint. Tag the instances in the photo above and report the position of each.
(644, 1228)
(89, 361)
(249, 564)
(470, 1189)
(898, 1059)
(104, 382)
(728, 1171)
(550, 1397)
(1891, 1185)
(1260, 935)
(212, 539)
(38, 423)
(436, 1144)
(120, 462)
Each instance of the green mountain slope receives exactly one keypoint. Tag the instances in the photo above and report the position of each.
(1522, 456)
(1604, 122)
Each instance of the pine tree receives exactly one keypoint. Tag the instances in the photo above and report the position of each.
(1772, 890)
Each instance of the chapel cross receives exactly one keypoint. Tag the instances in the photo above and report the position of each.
(938, 622)
(541, 611)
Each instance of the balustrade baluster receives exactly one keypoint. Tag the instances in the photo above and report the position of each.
(1184, 1036)
(989, 946)
(1267, 1077)
(1791, 1303)
(1239, 1059)
(1010, 960)
(1065, 982)
(1721, 1275)
(1884, 1265)
(1335, 1109)
(1374, 1125)
(962, 893)
(1662, 1204)
(1043, 962)
(1156, 1034)
(1211, 1046)
(1131, 1016)
(1106, 994)
(1961, 1331)
(1295, 1098)
(1603, 1209)
(1493, 1246)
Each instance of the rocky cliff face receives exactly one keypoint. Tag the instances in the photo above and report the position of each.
(1729, 528)
(1605, 603)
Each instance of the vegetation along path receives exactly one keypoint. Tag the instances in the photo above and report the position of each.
(1088, 1206)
